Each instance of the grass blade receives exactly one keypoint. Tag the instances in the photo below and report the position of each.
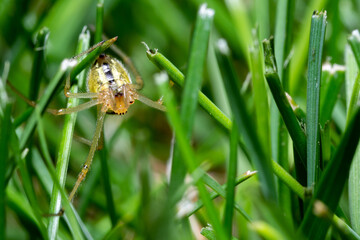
(187, 115)
(260, 96)
(221, 192)
(354, 41)
(230, 183)
(301, 45)
(66, 142)
(290, 120)
(279, 133)
(335, 175)
(242, 118)
(99, 20)
(188, 155)
(239, 15)
(178, 77)
(5, 123)
(353, 85)
(38, 63)
(70, 218)
(192, 86)
(317, 37)
(330, 90)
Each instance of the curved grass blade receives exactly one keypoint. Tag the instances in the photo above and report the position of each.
(290, 120)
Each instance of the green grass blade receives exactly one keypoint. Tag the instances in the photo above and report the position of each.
(192, 86)
(288, 180)
(325, 142)
(335, 175)
(38, 63)
(260, 96)
(353, 85)
(345, 232)
(283, 38)
(30, 194)
(99, 20)
(188, 155)
(242, 27)
(221, 192)
(178, 77)
(330, 90)
(107, 186)
(69, 216)
(354, 41)
(187, 115)
(230, 183)
(262, 12)
(66, 142)
(317, 37)
(5, 123)
(280, 136)
(18, 203)
(298, 59)
(260, 160)
(290, 120)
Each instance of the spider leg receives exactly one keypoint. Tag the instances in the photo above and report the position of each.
(88, 142)
(89, 159)
(80, 107)
(158, 104)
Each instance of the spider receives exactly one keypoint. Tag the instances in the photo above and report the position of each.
(110, 87)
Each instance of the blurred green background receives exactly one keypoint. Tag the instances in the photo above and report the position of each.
(138, 145)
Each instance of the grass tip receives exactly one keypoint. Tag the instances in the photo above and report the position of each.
(250, 173)
(223, 46)
(206, 12)
(332, 69)
(161, 78)
(149, 50)
(68, 63)
(356, 34)
(24, 153)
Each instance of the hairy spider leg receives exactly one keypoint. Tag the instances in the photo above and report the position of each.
(99, 125)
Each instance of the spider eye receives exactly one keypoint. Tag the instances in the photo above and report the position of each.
(131, 102)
